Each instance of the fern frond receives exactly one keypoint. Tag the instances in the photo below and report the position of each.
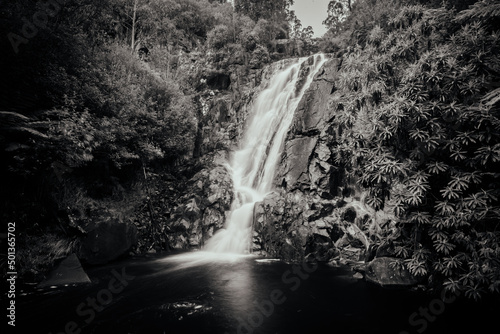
(31, 132)
(480, 10)
(11, 118)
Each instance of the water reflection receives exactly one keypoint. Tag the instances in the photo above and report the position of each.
(235, 288)
(202, 292)
(200, 258)
(228, 276)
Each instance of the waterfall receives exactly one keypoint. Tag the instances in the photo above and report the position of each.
(254, 164)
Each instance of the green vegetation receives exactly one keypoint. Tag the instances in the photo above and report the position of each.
(417, 99)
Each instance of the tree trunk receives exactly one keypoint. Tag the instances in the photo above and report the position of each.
(132, 43)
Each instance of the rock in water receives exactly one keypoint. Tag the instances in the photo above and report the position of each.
(380, 271)
(358, 276)
(69, 271)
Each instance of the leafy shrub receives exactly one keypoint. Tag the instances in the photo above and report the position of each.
(219, 37)
(419, 112)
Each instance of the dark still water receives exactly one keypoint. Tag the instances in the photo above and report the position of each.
(194, 293)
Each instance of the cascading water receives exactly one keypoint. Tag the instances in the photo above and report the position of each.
(254, 164)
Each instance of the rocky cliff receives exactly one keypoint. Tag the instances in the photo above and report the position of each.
(225, 98)
(307, 162)
(316, 212)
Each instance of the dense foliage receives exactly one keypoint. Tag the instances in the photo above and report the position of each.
(417, 98)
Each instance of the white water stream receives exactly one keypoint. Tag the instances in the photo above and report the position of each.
(254, 164)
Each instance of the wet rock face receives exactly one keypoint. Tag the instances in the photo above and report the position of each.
(312, 113)
(307, 160)
(320, 170)
(295, 163)
(204, 207)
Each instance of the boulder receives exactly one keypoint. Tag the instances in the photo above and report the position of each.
(358, 276)
(278, 232)
(384, 250)
(68, 272)
(352, 254)
(335, 232)
(320, 248)
(349, 215)
(107, 238)
(357, 237)
(213, 220)
(269, 211)
(380, 271)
